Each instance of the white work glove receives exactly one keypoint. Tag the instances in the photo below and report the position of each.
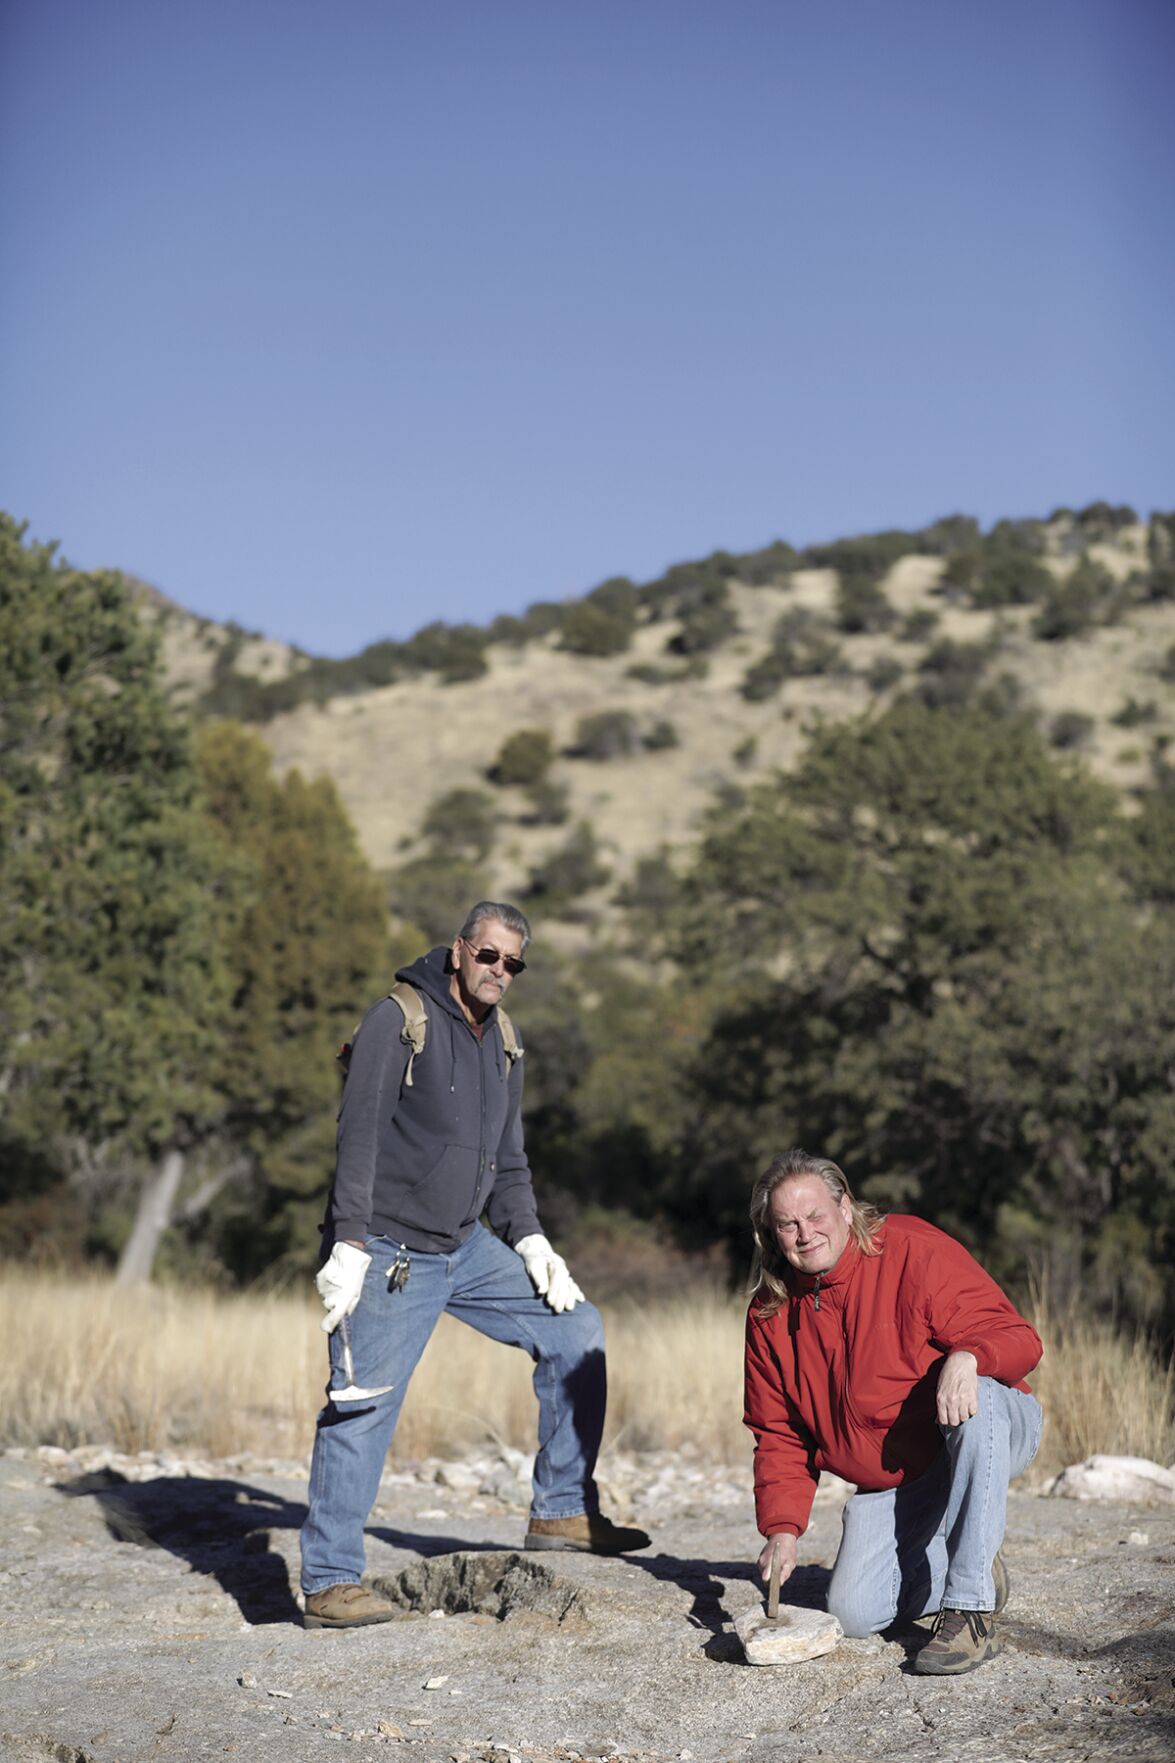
(548, 1273)
(340, 1281)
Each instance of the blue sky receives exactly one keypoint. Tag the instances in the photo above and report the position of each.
(335, 318)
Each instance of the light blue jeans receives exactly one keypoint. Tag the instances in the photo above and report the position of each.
(929, 1544)
(486, 1285)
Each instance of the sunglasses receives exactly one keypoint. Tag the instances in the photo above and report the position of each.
(513, 964)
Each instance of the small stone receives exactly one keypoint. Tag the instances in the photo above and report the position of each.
(1139, 1538)
(387, 1729)
(796, 1634)
(247, 1680)
(287, 1694)
(436, 1683)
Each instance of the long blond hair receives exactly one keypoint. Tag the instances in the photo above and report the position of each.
(768, 1270)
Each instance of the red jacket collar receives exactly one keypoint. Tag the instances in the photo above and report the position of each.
(839, 1275)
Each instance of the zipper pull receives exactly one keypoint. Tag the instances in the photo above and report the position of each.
(816, 1291)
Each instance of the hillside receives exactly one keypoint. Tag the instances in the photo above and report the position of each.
(719, 671)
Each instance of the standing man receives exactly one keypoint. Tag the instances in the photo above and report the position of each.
(877, 1348)
(429, 1138)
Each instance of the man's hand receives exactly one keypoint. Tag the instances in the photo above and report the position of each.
(785, 1545)
(958, 1389)
(340, 1281)
(548, 1273)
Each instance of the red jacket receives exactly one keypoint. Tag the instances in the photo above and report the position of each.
(844, 1375)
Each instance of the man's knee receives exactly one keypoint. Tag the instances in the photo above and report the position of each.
(847, 1602)
(581, 1332)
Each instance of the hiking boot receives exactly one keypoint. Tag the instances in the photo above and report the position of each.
(589, 1531)
(962, 1639)
(999, 1574)
(345, 1606)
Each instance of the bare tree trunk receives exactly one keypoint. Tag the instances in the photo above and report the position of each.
(151, 1220)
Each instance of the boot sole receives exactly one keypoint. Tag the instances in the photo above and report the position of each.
(309, 1621)
(565, 1543)
(542, 1542)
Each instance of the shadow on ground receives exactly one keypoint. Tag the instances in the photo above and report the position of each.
(224, 1528)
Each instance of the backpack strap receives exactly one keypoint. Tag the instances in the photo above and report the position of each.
(412, 1033)
(415, 1027)
(415, 1022)
(511, 1045)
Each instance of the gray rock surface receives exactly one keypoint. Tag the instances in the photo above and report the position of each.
(147, 1614)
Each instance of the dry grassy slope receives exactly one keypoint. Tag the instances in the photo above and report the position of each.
(393, 750)
(191, 645)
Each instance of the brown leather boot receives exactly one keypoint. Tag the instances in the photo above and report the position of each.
(590, 1532)
(345, 1606)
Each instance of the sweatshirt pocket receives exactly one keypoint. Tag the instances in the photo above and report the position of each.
(440, 1199)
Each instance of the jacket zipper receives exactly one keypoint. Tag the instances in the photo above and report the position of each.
(816, 1292)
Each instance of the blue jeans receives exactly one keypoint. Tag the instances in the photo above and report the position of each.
(485, 1284)
(929, 1544)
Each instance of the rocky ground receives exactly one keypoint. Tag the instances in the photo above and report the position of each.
(148, 1613)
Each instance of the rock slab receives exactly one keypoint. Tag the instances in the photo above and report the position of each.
(794, 1635)
(1101, 1477)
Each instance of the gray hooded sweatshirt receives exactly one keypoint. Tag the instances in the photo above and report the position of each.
(420, 1164)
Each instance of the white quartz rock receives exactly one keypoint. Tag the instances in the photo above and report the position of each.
(794, 1635)
(1117, 1478)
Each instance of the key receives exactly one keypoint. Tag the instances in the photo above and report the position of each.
(398, 1272)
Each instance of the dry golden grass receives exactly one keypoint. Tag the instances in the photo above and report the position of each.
(208, 1374)
(1101, 1390)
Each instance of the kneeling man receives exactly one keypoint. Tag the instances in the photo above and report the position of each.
(879, 1349)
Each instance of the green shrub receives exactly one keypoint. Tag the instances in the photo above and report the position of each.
(461, 823)
(959, 576)
(885, 672)
(706, 622)
(686, 585)
(661, 735)
(590, 629)
(434, 893)
(652, 887)
(548, 803)
(523, 758)
(455, 651)
(1132, 714)
(605, 735)
(569, 871)
(919, 625)
(744, 753)
(1159, 584)
(1073, 606)
(861, 605)
(1011, 579)
(1070, 729)
(1166, 667)
(950, 673)
(508, 629)
(943, 538)
(543, 616)
(1024, 537)
(764, 677)
(869, 555)
(1103, 521)
(801, 645)
(773, 564)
